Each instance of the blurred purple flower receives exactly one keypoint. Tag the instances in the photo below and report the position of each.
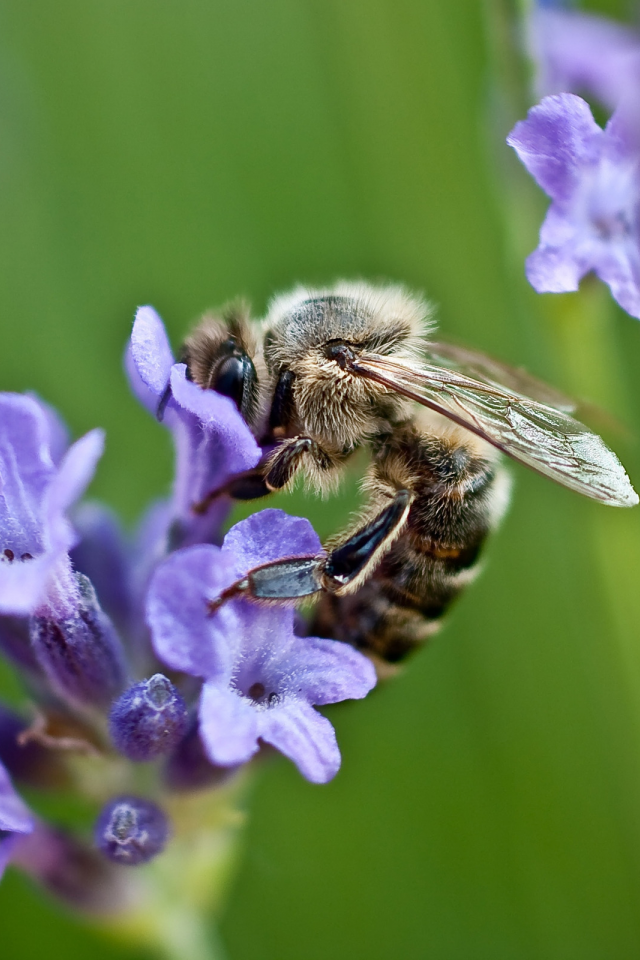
(15, 819)
(261, 680)
(35, 494)
(593, 178)
(211, 438)
(583, 53)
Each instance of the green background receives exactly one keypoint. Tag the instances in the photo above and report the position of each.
(184, 153)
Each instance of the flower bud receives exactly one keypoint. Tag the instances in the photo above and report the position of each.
(148, 720)
(131, 831)
(77, 646)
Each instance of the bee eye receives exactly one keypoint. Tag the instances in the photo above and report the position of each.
(234, 377)
(342, 353)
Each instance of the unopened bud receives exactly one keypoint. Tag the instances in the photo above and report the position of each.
(148, 720)
(78, 648)
(131, 831)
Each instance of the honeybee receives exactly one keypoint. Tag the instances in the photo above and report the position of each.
(355, 365)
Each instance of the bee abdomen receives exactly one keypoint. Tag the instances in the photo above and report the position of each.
(401, 605)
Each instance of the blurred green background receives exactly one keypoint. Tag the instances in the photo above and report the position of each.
(184, 153)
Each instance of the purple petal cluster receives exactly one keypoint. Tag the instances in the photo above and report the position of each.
(113, 633)
(593, 178)
(261, 679)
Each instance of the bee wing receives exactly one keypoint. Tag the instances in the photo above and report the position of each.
(479, 366)
(542, 437)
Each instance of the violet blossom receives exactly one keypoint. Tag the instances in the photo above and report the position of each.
(72, 639)
(212, 440)
(35, 495)
(593, 178)
(583, 53)
(261, 679)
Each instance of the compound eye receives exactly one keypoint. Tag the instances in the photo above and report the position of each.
(234, 376)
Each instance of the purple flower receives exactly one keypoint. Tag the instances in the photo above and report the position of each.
(261, 680)
(583, 53)
(593, 178)
(212, 440)
(15, 819)
(35, 493)
(72, 639)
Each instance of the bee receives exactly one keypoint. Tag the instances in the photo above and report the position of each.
(355, 366)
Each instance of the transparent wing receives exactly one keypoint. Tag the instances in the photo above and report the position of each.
(542, 437)
(493, 373)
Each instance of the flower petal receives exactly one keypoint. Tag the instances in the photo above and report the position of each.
(621, 271)
(556, 142)
(212, 443)
(140, 390)
(14, 814)
(58, 434)
(326, 671)
(151, 350)
(228, 725)
(220, 419)
(26, 470)
(183, 636)
(75, 473)
(303, 735)
(269, 535)
(554, 270)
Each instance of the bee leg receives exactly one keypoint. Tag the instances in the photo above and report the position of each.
(296, 577)
(288, 457)
(350, 563)
(274, 474)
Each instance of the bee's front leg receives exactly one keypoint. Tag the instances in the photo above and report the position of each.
(288, 456)
(271, 474)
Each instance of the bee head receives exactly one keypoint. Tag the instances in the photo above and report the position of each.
(313, 336)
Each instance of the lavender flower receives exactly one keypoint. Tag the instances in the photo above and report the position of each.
(593, 178)
(212, 440)
(15, 819)
(35, 494)
(261, 680)
(72, 639)
(583, 53)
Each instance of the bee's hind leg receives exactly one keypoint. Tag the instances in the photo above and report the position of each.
(349, 564)
(341, 571)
